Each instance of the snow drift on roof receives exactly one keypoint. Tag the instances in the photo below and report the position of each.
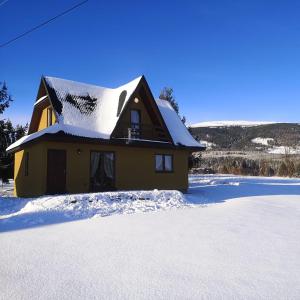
(177, 129)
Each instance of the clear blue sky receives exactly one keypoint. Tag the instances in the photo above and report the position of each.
(226, 60)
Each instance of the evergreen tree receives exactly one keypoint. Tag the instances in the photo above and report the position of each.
(167, 94)
(8, 135)
(5, 98)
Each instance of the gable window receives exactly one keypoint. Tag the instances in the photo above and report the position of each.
(49, 116)
(26, 163)
(135, 120)
(163, 163)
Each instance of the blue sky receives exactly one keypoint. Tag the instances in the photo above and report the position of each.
(225, 60)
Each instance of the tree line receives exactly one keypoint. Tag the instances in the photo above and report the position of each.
(8, 135)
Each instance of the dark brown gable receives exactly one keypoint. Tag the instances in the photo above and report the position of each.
(142, 106)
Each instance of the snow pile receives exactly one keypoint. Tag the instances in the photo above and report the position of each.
(47, 209)
(231, 123)
(262, 141)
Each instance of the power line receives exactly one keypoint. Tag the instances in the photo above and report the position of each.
(42, 24)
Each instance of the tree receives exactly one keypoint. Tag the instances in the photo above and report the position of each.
(283, 170)
(291, 168)
(5, 98)
(8, 135)
(167, 94)
(297, 171)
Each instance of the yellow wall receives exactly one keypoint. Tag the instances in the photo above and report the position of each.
(34, 184)
(135, 168)
(43, 119)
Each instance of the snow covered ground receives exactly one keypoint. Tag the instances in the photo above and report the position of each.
(236, 238)
(262, 141)
(284, 150)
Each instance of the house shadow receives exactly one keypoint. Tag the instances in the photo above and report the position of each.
(35, 219)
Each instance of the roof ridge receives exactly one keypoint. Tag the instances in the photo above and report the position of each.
(93, 85)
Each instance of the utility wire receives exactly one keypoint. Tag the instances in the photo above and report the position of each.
(42, 24)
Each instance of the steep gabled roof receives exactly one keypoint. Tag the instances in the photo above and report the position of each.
(87, 106)
(92, 111)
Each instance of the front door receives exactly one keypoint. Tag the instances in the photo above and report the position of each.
(56, 171)
(102, 171)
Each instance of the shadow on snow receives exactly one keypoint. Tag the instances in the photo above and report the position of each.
(203, 190)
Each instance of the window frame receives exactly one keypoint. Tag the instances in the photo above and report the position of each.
(133, 126)
(26, 166)
(49, 116)
(164, 163)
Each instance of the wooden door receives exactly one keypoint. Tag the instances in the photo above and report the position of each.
(56, 171)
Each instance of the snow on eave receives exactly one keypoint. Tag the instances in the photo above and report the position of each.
(67, 129)
(40, 100)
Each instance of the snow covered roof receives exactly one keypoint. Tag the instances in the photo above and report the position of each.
(88, 106)
(92, 111)
(177, 129)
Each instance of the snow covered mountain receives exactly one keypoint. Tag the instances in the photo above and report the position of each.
(231, 123)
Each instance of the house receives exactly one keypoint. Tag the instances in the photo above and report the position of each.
(85, 138)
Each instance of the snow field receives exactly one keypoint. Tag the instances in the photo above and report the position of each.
(239, 239)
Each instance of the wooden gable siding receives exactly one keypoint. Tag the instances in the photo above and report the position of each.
(152, 127)
(43, 120)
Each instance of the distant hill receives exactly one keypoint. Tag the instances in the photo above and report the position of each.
(230, 123)
(268, 137)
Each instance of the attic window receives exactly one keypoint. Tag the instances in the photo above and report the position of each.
(122, 98)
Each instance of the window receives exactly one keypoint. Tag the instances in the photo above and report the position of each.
(135, 120)
(26, 163)
(49, 116)
(163, 163)
(102, 171)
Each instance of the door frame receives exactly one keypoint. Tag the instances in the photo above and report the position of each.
(114, 166)
(65, 171)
